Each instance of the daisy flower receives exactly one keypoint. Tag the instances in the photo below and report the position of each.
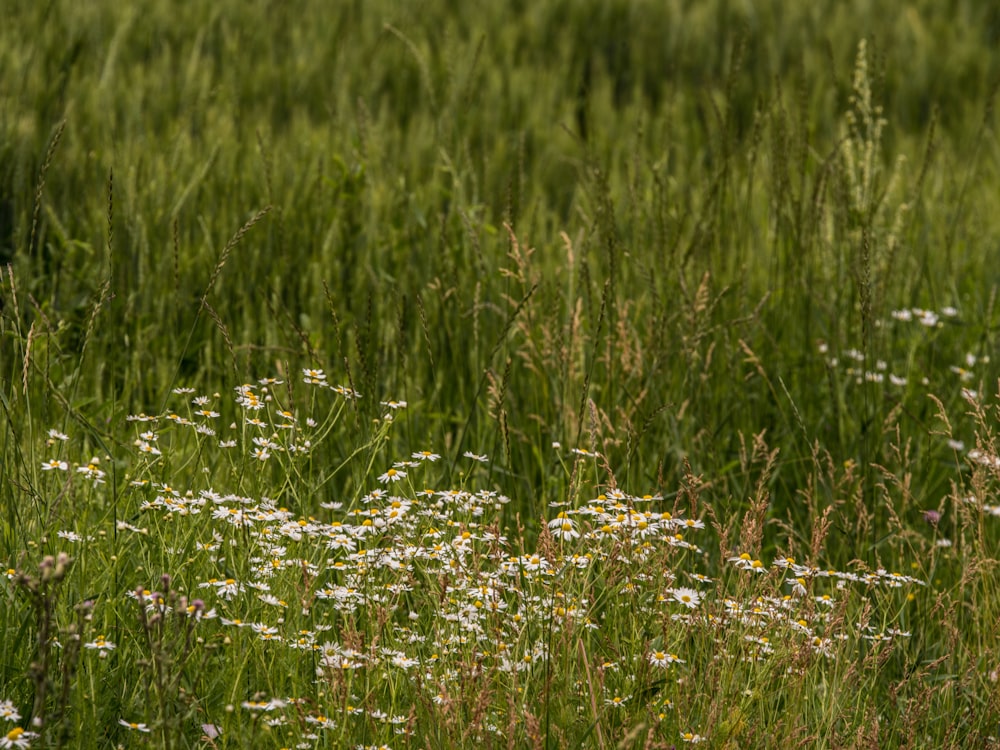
(227, 589)
(92, 471)
(321, 721)
(134, 726)
(690, 598)
(563, 528)
(101, 645)
(9, 711)
(314, 377)
(148, 448)
(343, 390)
(663, 659)
(264, 705)
(393, 475)
(658, 659)
(745, 562)
(17, 738)
(425, 456)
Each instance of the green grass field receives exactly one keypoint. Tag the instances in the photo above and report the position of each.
(563, 374)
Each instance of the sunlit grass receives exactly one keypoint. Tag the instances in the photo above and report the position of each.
(598, 374)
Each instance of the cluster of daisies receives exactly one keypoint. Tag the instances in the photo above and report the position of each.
(16, 737)
(858, 367)
(421, 589)
(861, 369)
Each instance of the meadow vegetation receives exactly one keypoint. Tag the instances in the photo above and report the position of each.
(555, 374)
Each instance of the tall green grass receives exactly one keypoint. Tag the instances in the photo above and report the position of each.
(737, 256)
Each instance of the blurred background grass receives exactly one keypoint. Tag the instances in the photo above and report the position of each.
(702, 208)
